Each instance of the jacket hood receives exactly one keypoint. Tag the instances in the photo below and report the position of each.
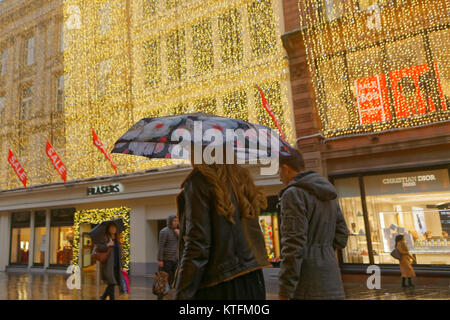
(169, 220)
(315, 184)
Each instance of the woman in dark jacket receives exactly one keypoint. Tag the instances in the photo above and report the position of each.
(222, 249)
(110, 271)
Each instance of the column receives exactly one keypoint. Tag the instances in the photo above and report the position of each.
(138, 241)
(5, 236)
(47, 239)
(31, 247)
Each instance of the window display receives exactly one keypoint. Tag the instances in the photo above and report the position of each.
(61, 244)
(409, 204)
(61, 236)
(20, 238)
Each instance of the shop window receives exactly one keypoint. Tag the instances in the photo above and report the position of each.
(61, 236)
(349, 196)
(40, 233)
(414, 204)
(20, 238)
(268, 221)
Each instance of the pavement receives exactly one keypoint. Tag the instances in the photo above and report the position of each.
(50, 286)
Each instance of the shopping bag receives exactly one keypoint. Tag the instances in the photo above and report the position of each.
(161, 283)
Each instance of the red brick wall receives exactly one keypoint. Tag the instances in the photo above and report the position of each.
(291, 15)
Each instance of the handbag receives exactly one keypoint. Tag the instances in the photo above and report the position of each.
(161, 283)
(396, 254)
(100, 256)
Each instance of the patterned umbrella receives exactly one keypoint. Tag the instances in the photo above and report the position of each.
(160, 137)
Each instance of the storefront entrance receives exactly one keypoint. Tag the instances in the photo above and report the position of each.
(84, 221)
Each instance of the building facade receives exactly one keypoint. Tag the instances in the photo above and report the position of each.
(371, 92)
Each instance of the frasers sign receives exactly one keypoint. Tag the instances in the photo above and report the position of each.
(410, 181)
(105, 189)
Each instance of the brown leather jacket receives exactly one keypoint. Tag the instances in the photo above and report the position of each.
(213, 250)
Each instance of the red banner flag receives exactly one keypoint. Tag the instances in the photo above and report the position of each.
(102, 148)
(57, 163)
(14, 162)
(271, 113)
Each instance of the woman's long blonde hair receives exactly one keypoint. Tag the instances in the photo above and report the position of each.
(251, 199)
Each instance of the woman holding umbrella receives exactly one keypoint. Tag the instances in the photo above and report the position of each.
(221, 248)
(106, 238)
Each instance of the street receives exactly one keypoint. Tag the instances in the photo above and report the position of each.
(47, 286)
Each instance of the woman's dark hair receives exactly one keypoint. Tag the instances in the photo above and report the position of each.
(398, 238)
(294, 160)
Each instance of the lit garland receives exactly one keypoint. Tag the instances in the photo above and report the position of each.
(378, 64)
(128, 60)
(97, 216)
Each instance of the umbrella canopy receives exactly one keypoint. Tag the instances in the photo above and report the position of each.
(165, 137)
(98, 233)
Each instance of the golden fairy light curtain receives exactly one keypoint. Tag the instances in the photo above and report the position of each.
(378, 64)
(128, 59)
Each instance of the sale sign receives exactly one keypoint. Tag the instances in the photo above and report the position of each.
(14, 162)
(102, 148)
(56, 161)
(372, 99)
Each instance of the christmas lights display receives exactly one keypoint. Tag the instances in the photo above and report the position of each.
(129, 59)
(378, 65)
(97, 216)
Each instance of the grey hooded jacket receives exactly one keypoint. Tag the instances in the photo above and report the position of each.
(312, 227)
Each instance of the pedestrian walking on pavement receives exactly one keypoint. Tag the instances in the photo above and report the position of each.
(167, 250)
(312, 227)
(222, 249)
(110, 270)
(405, 261)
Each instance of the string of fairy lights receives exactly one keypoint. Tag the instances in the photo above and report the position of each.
(377, 64)
(126, 60)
